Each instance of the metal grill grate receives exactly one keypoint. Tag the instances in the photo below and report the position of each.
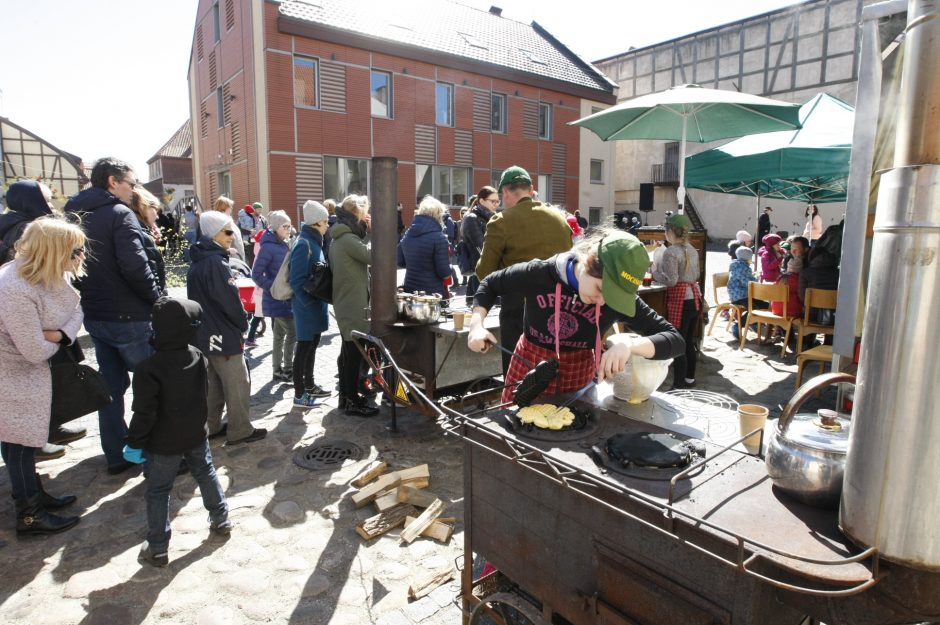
(327, 455)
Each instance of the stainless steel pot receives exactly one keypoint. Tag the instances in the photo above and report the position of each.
(804, 459)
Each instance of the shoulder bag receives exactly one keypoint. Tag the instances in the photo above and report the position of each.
(77, 389)
(320, 282)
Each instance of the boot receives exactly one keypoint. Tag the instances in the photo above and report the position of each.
(32, 519)
(49, 502)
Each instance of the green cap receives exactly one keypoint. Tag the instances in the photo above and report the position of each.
(679, 221)
(258, 206)
(625, 261)
(512, 175)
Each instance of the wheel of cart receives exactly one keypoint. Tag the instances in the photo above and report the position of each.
(505, 608)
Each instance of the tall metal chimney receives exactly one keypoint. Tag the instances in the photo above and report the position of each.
(891, 494)
(384, 244)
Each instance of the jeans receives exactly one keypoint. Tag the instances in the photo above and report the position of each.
(229, 388)
(284, 341)
(119, 347)
(253, 327)
(160, 471)
(304, 358)
(21, 465)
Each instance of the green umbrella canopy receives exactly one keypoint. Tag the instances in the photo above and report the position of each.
(810, 164)
(691, 113)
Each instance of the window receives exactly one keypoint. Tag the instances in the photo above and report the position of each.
(225, 184)
(444, 104)
(220, 106)
(498, 112)
(156, 169)
(594, 216)
(342, 176)
(451, 185)
(305, 82)
(381, 94)
(597, 171)
(544, 188)
(216, 28)
(545, 121)
(595, 110)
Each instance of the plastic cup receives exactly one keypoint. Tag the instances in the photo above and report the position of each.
(458, 321)
(466, 319)
(750, 418)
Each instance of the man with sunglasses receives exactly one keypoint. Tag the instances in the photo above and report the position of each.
(118, 291)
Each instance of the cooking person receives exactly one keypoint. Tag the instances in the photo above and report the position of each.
(571, 299)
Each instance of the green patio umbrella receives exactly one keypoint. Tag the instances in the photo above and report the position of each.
(691, 113)
(809, 165)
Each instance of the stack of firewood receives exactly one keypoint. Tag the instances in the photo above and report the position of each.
(397, 496)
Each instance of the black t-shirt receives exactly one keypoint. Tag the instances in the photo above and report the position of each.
(535, 281)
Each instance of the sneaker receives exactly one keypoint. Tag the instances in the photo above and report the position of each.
(304, 401)
(148, 556)
(359, 408)
(251, 343)
(221, 529)
(283, 376)
(256, 435)
(317, 392)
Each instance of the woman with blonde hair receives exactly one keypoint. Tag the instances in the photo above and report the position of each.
(39, 314)
(422, 252)
(350, 257)
(679, 271)
(147, 207)
(225, 205)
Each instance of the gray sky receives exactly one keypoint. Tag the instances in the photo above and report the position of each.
(108, 77)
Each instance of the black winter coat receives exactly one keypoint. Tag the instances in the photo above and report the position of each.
(210, 282)
(472, 231)
(423, 254)
(26, 203)
(170, 388)
(119, 284)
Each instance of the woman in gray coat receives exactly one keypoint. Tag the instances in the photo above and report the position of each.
(350, 258)
(39, 313)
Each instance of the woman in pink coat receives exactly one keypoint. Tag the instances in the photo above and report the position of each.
(39, 313)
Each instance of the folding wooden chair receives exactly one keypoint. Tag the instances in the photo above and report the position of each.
(720, 290)
(779, 292)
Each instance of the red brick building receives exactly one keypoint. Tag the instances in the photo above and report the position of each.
(291, 100)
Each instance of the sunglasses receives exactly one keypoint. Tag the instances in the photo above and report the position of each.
(79, 251)
(229, 233)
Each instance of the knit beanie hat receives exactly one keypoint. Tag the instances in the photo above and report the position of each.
(258, 206)
(314, 212)
(277, 219)
(744, 253)
(212, 222)
(743, 236)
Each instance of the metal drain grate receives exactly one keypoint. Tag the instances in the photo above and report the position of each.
(327, 455)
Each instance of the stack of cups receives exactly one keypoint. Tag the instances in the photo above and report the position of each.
(752, 417)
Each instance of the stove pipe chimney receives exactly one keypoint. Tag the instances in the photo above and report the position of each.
(891, 493)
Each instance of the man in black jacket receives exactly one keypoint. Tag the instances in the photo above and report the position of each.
(118, 291)
(169, 422)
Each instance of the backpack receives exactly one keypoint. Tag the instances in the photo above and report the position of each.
(9, 239)
(281, 289)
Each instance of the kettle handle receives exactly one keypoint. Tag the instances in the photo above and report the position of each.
(803, 393)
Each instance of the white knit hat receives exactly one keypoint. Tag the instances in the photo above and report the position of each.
(212, 222)
(314, 212)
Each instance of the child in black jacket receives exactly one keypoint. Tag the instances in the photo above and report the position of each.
(169, 422)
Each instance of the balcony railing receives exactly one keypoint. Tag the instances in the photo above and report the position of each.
(665, 173)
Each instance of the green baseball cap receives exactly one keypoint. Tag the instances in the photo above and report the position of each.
(512, 175)
(679, 221)
(625, 261)
(258, 206)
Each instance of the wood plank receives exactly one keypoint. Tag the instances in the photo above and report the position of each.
(374, 470)
(367, 494)
(410, 493)
(414, 474)
(386, 501)
(414, 530)
(423, 586)
(380, 523)
(438, 530)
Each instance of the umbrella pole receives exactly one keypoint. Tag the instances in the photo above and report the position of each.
(757, 225)
(680, 192)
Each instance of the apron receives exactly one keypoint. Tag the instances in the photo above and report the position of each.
(675, 300)
(576, 367)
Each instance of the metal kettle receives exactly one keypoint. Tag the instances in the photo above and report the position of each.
(806, 459)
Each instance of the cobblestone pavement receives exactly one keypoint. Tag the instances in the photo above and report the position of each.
(294, 556)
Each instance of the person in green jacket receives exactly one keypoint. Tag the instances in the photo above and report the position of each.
(524, 231)
(350, 258)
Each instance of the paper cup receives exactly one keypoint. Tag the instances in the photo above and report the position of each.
(750, 418)
(458, 321)
(466, 319)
